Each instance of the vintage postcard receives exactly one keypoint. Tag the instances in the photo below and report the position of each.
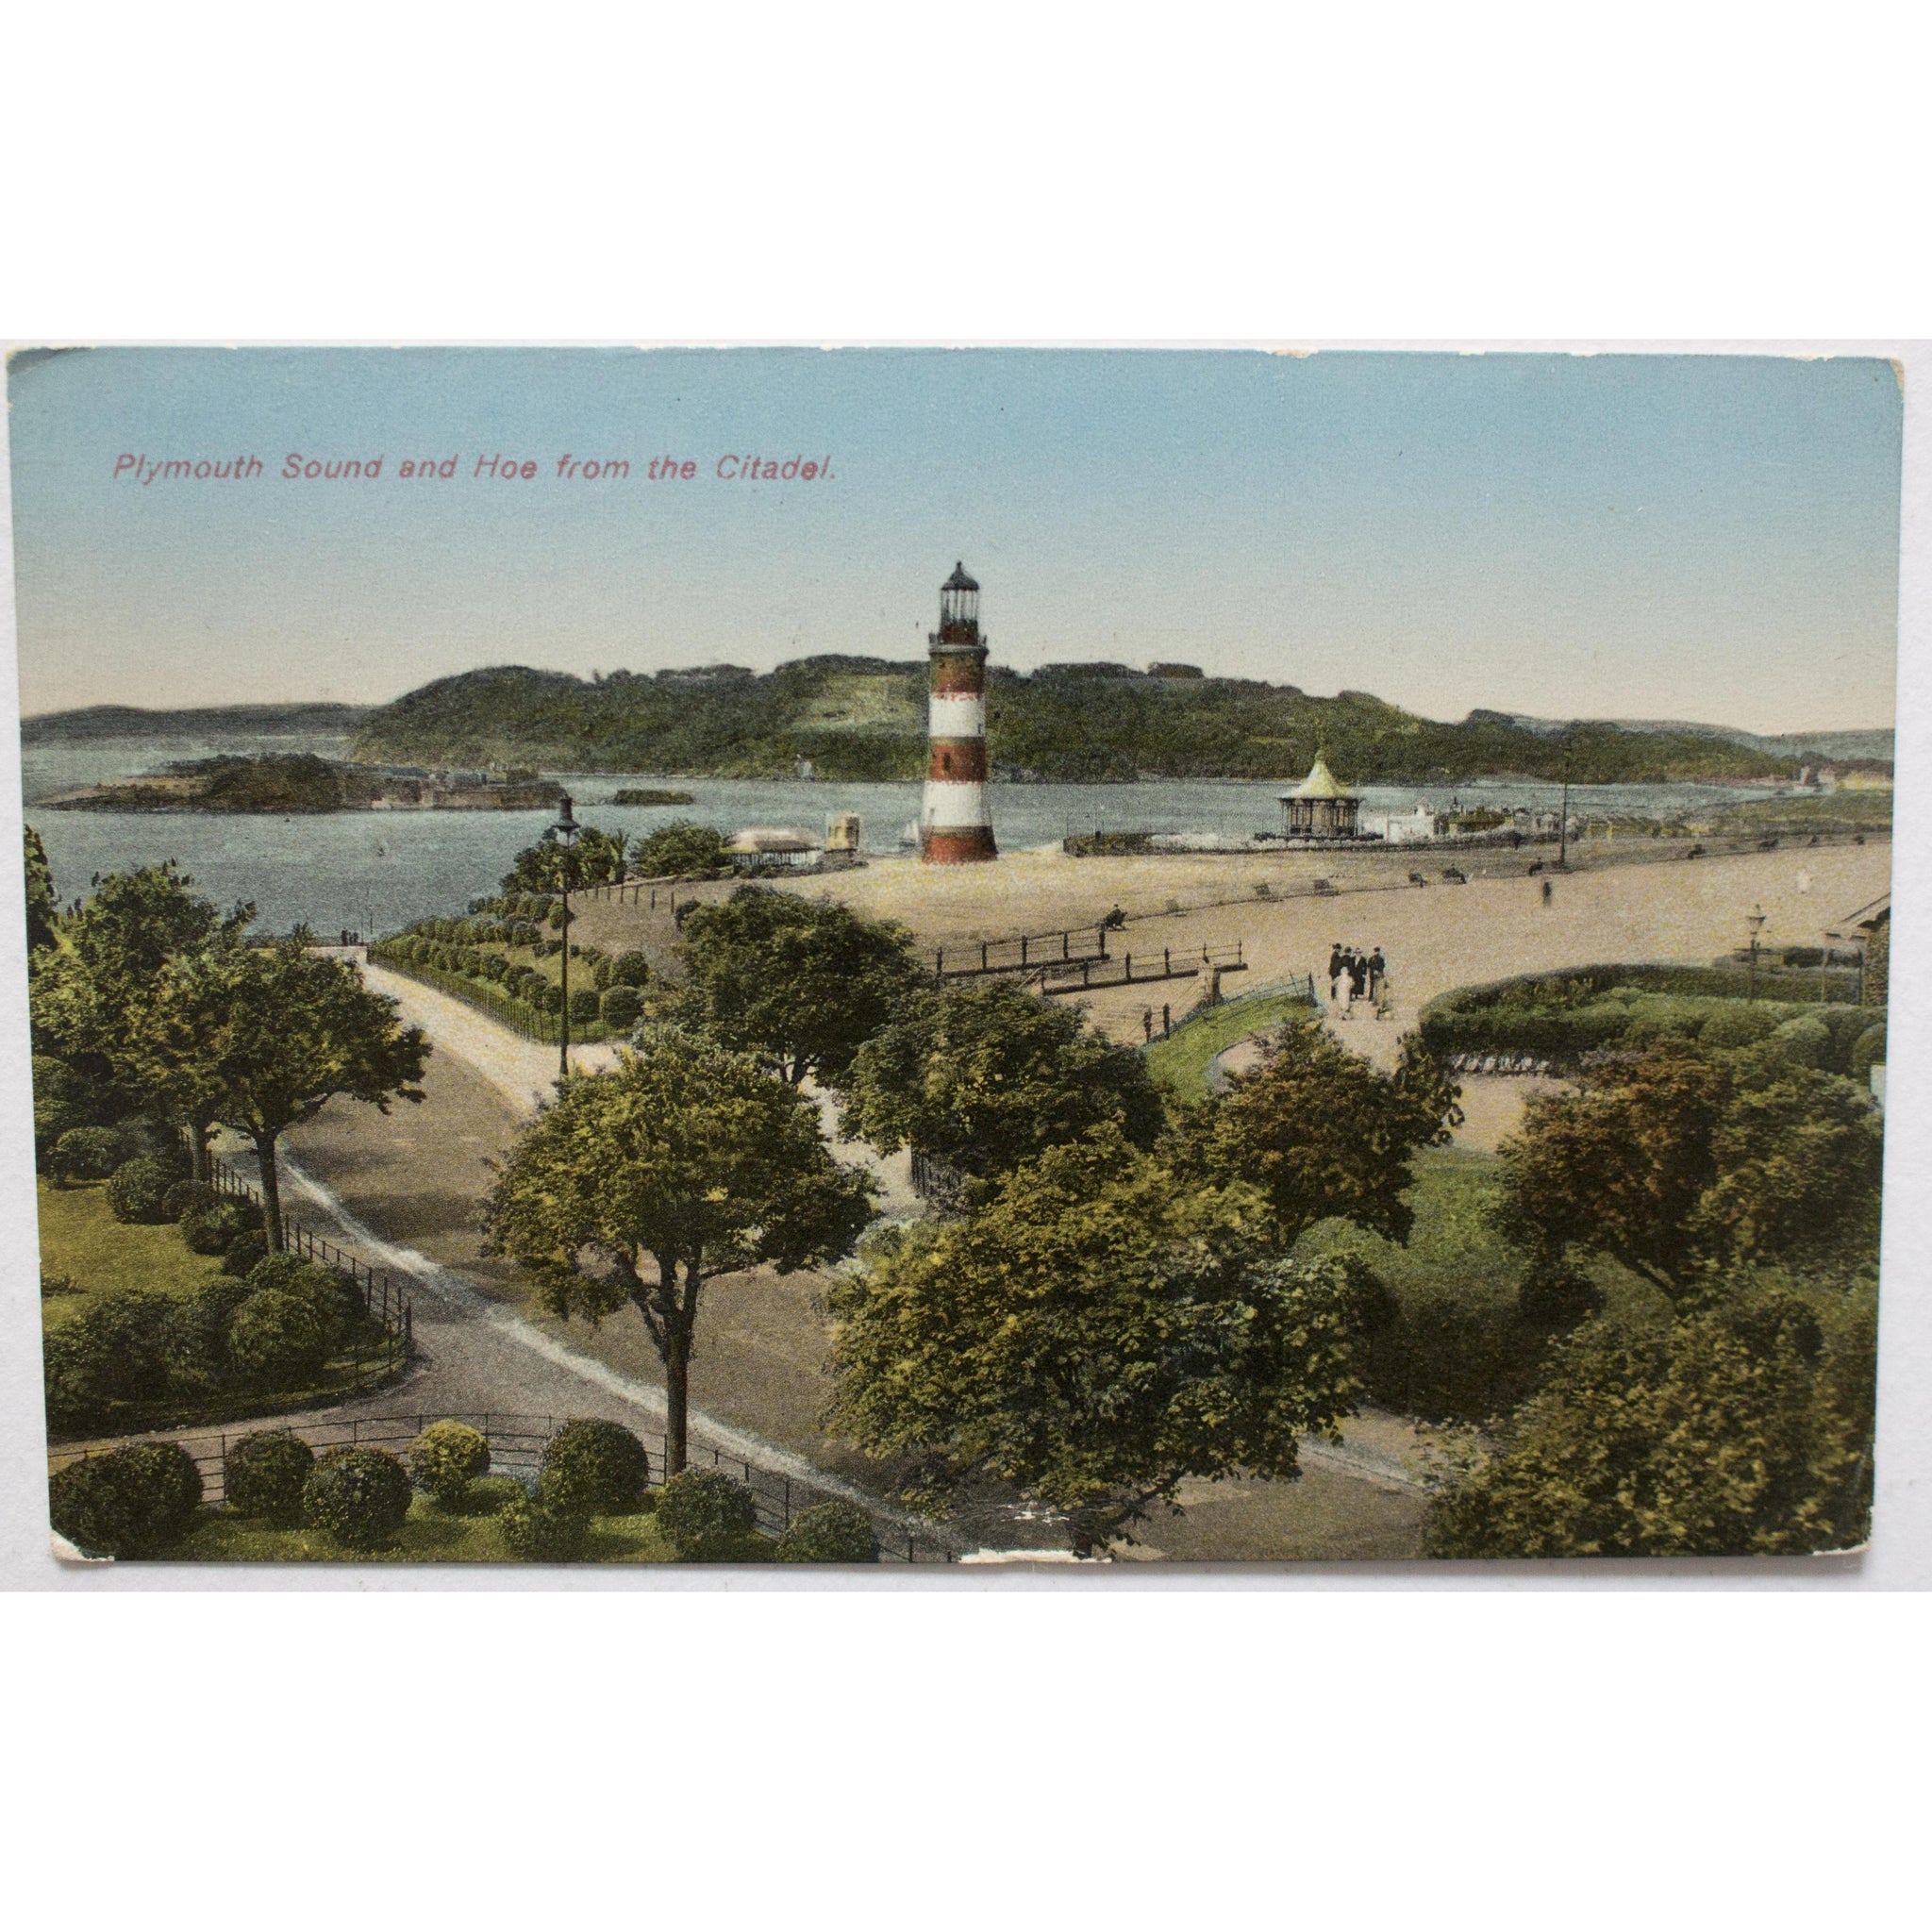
(926, 957)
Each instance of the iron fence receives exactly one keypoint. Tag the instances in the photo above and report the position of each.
(383, 1299)
(516, 1447)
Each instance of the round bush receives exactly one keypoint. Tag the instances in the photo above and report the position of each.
(211, 1228)
(585, 1004)
(194, 1337)
(245, 1252)
(337, 1299)
(187, 1198)
(537, 1531)
(621, 1007)
(594, 1468)
(706, 1516)
(266, 1473)
(86, 1154)
(548, 997)
(131, 1503)
(278, 1339)
(829, 1533)
(359, 1496)
(1868, 1051)
(1739, 1024)
(137, 1189)
(630, 969)
(1808, 1041)
(445, 1459)
(111, 1354)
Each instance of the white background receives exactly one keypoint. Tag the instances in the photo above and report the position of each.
(1567, 1746)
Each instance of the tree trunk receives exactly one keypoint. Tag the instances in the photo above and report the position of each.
(677, 1398)
(271, 1192)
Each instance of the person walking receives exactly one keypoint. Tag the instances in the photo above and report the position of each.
(1337, 966)
(1549, 891)
(1385, 998)
(1148, 1023)
(1377, 967)
(1358, 979)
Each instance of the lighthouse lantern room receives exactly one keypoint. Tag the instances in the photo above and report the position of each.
(956, 828)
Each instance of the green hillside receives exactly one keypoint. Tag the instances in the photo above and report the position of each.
(863, 718)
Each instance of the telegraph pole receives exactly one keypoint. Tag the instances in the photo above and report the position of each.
(566, 829)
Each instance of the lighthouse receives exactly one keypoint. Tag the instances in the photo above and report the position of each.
(956, 828)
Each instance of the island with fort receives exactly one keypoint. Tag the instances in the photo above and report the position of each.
(290, 782)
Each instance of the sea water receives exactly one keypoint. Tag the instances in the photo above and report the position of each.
(374, 871)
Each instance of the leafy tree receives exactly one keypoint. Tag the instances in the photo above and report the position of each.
(300, 1029)
(594, 859)
(801, 983)
(1323, 1131)
(1097, 1334)
(1677, 1159)
(986, 1076)
(684, 1163)
(40, 904)
(1742, 1427)
(683, 851)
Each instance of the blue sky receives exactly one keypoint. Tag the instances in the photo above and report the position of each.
(1709, 537)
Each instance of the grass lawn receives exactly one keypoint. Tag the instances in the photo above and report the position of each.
(1181, 1060)
(1458, 1347)
(429, 1535)
(80, 1238)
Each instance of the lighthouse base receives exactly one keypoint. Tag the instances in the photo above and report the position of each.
(968, 845)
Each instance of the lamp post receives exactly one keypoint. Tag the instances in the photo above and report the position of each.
(566, 829)
(1563, 819)
(1755, 919)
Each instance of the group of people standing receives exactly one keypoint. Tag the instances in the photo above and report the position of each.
(1353, 976)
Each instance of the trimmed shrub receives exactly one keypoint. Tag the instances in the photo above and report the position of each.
(187, 1198)
(131, 1503)
(211, 1229)
(1868, 1052)
(594, 1468)
(359, 1496)
(445, 1459)
(622, 1006)
(111, 1355)
(547, 997)
(1808, 1041)
(266, 1474)
(1742, 1024)
(600, 975)
(585, 1004)
(829, 1533)
(538, 1531)
(336, 1298)
(245, 1252)
(279, 1339)
(137, 1190)
(194, 1336)
(86, 1154)
(706, 1517)
(630, 969)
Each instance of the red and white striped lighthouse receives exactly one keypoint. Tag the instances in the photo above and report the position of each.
(956, 828)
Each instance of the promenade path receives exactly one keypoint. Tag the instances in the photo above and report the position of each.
(403, 1188)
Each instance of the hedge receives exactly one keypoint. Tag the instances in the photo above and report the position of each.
(1558, 1018)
